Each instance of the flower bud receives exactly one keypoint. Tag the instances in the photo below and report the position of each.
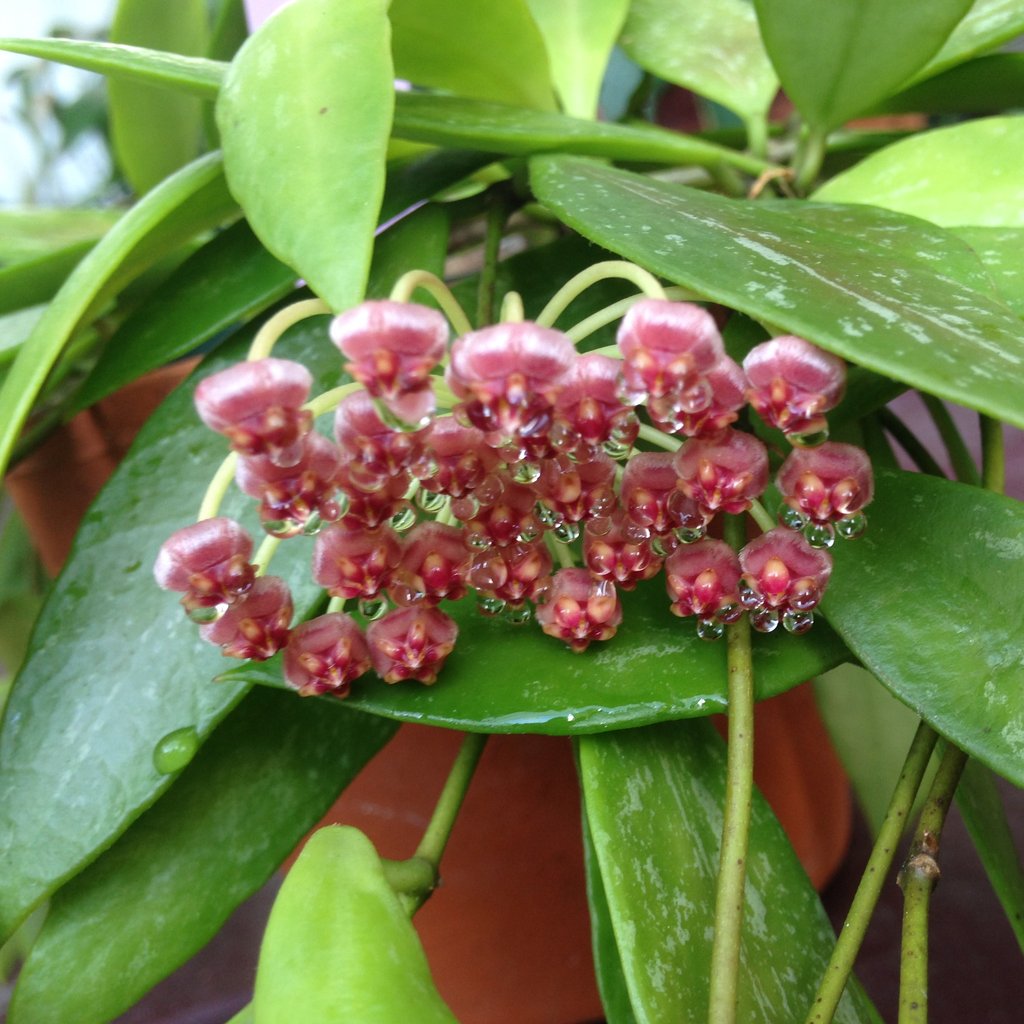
(411, 643)
(256, 625)
(324, 655)
(580, 609)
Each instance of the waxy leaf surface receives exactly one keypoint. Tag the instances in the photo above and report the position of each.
(31, 232)
(987, 24)
(266, 775)
(1001, 251)
(654, 799)
(872, 306)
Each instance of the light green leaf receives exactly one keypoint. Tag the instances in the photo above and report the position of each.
(867, 303)
(985, 26)
(578, 36)
(482, 49)
(308, 103)
(965, 174)
(1001, 251)
(28, 233)
(16, 328)
(37, 280)
(266, 775)
(712, 47)
(836, 60)
(653, 799)
(154, 131)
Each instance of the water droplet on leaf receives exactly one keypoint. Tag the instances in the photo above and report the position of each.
(175, 750)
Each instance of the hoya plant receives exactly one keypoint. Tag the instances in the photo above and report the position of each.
(519, 412)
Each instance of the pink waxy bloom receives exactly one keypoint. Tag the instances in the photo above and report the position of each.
(294, 498)
(324, 655)
(372, 508)
(703, 580)
(727, 384)
(574, 491)
(513, 574)
(509, 376)
(411, 643)
(615, 548)
(257, 405)
(832, 481)
(580, 609)
(455, 459)
(509, 518)
(792, 383)
(374, 450)
(782, 576)
(725, 474)
(588, 410)
(433, 567)
(354, 562)
(256, 625)
(392, 347)
(650, 497)
(668, 349)
(208, 562)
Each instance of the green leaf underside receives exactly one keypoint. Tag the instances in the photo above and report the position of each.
(1001, 251)
(319, 125)
(193, 199)
(450, 121)
(339, 946)
(980, 86)
(264, 777)
(654, 668)
(194, 75)
(847, 295)
(653, 799)
(834, 62)
(713, 48)
(931, 600)
(29, 233)
(113, 660)
(985, 26)
(965, 174)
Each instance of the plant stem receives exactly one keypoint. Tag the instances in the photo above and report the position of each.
(762, 516)
(960, 458)
(433, 285)
(918, 878)
(882, 854)
(993, 458)
(809, 156)
(497, 213)
(757, 135)
(739, 784)
(909, 443)
(267, 336)
(656, 437)
(217, 488)
(575, 286)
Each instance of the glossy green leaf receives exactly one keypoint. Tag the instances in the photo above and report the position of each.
(15, 329)
(1001, 251)
(483, 49)
(265, 776)
(502, 678)
(980, 86)
(985, 26)
(38, 279)
(653, 798)
(29, 233)
(228, 29)
(225, 283)
(965, 174)
(192, 200)
(578, 36)
(449, 121)
(983, 812)
(713, 48)
(195, 75)
(853, 297)
(931, 600)
(339, 947)
(837, 60)
(154, 130)
(308, 102)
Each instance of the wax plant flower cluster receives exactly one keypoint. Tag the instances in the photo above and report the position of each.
(481, 477)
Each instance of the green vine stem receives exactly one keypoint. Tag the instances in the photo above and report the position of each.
(267, 336)
(960, 458)
(610, 269)
(993, 455)
(614, 312)
(512, 311)
(725, 949)
(497, 214)
(875, 873)
(217, 488)
(407, 284)
(661, 440)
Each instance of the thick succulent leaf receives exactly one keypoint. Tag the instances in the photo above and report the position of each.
(578, 36)
(154, 130)
(653, 799)
(29, 233)
(931, 600)
(308, 102)
(965, 174)
(193, 199)
(993, 82)
(195, 75)
(339, 945)
(1001, 251)
(837, 60)
(495, 128)
(983, 812)
(851, 296)
(265, 776)
(487, 51)
(986, 25)
(501, 678)
(713, 48)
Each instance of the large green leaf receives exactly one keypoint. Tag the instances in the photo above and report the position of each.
(965, 174)
(304, 117)
(265, 776)
(851, 296)
(1001, 251)
(450, 121)
(153, 130)
(484, 49)
(993, 82)
(931, 600)
(713, 48)
(578, 36)
(985, 26)
(38, 279)
(29, 233)
(653, 799)
(836, 60)
(190, 201)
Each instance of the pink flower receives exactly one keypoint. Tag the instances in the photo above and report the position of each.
(703, 580)
(726, 382)
(433, 566)
(255, 626)
(324, 655)
(830, 482)
(580, 609)
(588, 409)
(616, 548)
(455, 459)
(725, 474)
(374, 450)
(355, 562)
(411, 643)
(574, 491)
(512, 574)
